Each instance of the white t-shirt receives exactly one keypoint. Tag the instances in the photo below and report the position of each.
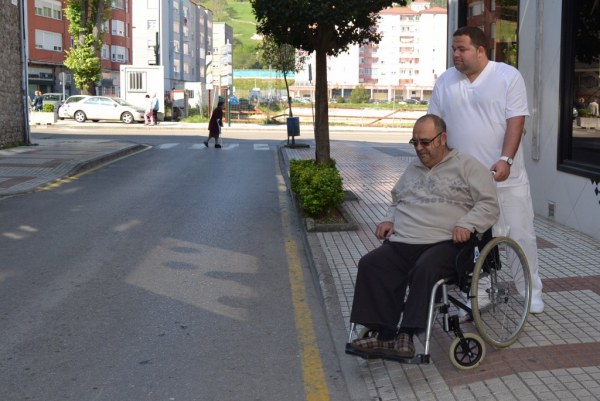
(476, 112)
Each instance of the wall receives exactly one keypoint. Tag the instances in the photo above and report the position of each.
(575, 198)
(12, 126)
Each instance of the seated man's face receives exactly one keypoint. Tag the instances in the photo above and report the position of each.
(429, 144)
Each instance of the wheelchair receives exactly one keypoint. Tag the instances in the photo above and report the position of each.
(493, 274)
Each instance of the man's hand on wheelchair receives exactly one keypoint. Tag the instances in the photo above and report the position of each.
(384, 230)
(460, 234)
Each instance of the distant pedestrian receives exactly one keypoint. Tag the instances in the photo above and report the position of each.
(155, 108)
(148, 113)
(38, 101)
(215, 124)
(593, 108)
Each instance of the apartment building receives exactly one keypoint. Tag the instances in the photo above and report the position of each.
(49, 38)
(405, 63)
(175, 34)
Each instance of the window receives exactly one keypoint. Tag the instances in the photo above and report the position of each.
(119, 54)
(48, 8)
(48, 40)
(500, 25)
(105, 52)
(118, 27)
(136, 81)
(579, 137)
(122, 4)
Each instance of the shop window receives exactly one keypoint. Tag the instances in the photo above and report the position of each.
(579, 146)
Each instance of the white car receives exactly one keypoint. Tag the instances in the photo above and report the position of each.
(66, 109)
(98, 108)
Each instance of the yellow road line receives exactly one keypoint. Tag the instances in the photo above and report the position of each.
(66, 180)
(315, 384)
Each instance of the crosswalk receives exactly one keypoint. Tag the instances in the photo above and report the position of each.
(200, 146)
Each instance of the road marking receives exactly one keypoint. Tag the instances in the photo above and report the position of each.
(315, 384)
(66, 180)
(261, 146)
(198, 146)
(167, 145)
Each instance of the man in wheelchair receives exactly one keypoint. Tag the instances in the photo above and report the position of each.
(438, 203)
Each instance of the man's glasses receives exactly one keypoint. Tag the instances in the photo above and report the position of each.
(425, 142)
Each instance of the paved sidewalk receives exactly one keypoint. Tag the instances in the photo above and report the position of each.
(556, 358)
(29, 168)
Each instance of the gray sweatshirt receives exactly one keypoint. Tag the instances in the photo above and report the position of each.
(428, 203)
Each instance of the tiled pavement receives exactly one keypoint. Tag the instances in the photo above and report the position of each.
(556, 358)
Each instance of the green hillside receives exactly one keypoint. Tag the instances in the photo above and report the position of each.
(238, 14)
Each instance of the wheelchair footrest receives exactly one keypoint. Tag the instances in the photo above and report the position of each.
(417, 359)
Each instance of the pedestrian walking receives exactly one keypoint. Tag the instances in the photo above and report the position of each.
(155, 108)
(484, 104)
(148, 112)
(38, 101)
(214, 125)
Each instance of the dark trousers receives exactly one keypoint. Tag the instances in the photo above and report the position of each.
(384, 275)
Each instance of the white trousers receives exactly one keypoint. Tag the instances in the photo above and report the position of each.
(516, 222)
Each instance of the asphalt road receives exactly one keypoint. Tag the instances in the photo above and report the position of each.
(174, 274)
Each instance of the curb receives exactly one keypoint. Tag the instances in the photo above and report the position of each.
(323, 279)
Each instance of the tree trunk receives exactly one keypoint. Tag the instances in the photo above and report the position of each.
(322, 152)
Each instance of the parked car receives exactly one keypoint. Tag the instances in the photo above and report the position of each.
(66, 109)
(53, 99)
(411, 101)
(98, 108)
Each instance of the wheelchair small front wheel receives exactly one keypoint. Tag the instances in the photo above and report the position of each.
(468, 352)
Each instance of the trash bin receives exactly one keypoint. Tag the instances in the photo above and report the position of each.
(293, 126)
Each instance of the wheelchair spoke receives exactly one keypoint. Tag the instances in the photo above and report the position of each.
(501, 297)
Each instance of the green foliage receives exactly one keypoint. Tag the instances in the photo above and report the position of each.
(318, 186)
(359, 95)
(47, 107)
(327, 28)
(583, 113)
(85, 25)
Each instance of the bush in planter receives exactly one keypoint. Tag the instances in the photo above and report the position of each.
(47, 107)
(318, 187)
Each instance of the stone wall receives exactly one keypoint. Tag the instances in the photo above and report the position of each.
(12, 126)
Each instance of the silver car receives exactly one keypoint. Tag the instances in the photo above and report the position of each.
(98, 108)
(66, 109)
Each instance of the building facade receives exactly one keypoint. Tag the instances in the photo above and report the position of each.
(13, 113)
(49, 38)
(403, 65)
(175, 34)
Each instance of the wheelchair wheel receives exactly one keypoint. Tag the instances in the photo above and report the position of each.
(365, 332)
(468, 352)
(501, 292)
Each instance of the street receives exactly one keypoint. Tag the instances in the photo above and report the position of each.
(177, 273)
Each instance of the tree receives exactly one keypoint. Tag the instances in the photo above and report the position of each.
(85, 26)
(327, 28)
(283, 58)
(359, 95)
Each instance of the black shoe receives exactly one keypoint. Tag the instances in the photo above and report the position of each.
(218, 146)
(205, 143)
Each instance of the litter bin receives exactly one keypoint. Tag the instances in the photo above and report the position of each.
(293, 126)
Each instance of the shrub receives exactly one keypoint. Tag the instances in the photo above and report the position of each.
(318, 187)
(48, 107)
(583, 113)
